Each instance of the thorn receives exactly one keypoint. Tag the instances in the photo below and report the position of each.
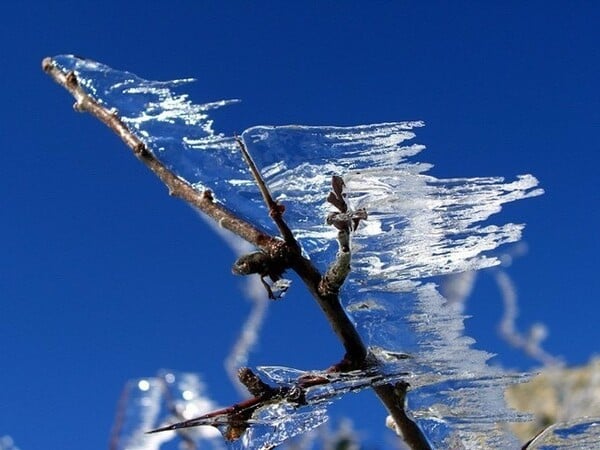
(161, 429)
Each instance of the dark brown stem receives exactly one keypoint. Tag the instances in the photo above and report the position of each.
(333, 310)
(275, 209)
(327, 299)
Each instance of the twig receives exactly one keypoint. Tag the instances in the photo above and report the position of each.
(204, 201)
(356, 352)
(338, 271)
(275, 209)
(238, 417)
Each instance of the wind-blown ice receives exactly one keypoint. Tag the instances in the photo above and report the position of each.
(418, 227)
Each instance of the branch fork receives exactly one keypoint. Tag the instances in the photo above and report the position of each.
(277, 255)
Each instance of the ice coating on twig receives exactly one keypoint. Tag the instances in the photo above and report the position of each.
(172, 126)
(418, 227)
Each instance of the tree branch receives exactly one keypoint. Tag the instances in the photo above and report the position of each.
(178, 187)
(327, 299)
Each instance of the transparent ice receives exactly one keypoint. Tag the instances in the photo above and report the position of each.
(151, 402)
(418, 227)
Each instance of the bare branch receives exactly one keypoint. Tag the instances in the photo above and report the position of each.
(336, 274)
(178, 187)
(287, 250)
(113, 443)
(275, 209)
(236, 418)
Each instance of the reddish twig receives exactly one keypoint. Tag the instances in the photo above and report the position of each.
(238, 417)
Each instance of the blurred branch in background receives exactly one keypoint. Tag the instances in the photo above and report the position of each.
(153, 401)
(7, 443)
(458, 288)
(250, 330)
(557, 395)
(531, 342)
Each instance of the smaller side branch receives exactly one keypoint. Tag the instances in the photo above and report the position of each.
(323, 289)
(234, 420)
(337, 272)
(275, 209)
(345, 221)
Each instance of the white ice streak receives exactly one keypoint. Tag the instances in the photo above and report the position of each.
(418, 227)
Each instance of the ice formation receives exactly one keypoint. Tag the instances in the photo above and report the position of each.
(418, 227)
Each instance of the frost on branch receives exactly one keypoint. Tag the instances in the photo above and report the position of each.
(418, 227)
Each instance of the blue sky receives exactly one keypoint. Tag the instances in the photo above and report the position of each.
(105, 278)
